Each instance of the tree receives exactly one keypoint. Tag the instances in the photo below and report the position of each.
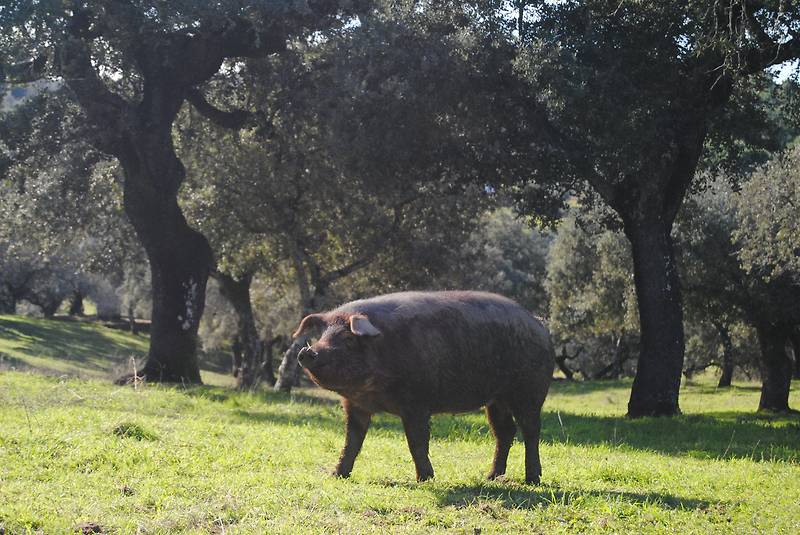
(630, 90)
(767, 233)
(130, 67)
(592, 300)
(713, 236)
(717, 291)
(507, 255)
(52, 176)
(287, 198)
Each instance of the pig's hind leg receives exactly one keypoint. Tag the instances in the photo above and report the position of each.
(356, 426)
(504, 430)
(417, 425)
(528, 416)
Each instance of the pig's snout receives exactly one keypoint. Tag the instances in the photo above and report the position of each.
(306, 356)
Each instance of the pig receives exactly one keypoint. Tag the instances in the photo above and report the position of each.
(414, 354)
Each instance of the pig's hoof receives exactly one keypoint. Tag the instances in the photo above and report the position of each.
(424, 476)
(495, 475)
(340, 474)
(535, 480)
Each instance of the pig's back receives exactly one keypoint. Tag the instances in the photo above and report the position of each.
(456, 350)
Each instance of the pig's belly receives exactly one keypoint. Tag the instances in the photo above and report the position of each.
(415, 401)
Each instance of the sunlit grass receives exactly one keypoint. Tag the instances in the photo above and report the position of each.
(162, 459)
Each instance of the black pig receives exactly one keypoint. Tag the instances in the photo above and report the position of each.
(414, 354)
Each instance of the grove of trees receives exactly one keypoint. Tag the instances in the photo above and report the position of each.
(625, 169)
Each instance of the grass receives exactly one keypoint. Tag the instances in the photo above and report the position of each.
(208, 459)
(78, 349)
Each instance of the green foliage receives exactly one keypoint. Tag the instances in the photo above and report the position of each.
(506, 255)
(320, 209)
(592, 298)
(81, 240)
(761, 120)
(768, 230)
(246, 463)
(734, 264)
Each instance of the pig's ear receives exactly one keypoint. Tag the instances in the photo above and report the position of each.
(361, 326)
(312, 321)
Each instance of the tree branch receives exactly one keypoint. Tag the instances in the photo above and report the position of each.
(107, 111)
(368, 258)
(23, 72)
(234, 119)
(768, 52)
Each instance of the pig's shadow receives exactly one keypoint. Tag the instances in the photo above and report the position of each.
(516, 497)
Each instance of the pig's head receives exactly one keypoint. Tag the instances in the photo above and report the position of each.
(339, 359)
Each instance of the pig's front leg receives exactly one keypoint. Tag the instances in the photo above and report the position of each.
(418, 434)
(357, 423)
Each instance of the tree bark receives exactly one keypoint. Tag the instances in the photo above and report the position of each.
(561, 362)
(180, 257)
(795, 339)
(132, 320)
(237, 292)
(289, 370)
(267, 359)
(179, 281)
(76, 304)
(727, 356)
(8, 303)
(658, 374)
(776, 367)
(49, 308)
(614, 369)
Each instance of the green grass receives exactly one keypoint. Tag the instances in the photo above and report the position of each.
(211, 460)
(77, 349)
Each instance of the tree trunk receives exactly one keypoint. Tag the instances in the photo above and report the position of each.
(180, 257)
(132, 320)
(49, 308)
(614, 369)
(727, 356)
(179, 289)
(76, 304)
(236, 356)
(561, 362)
(289, 371)
(267, 359)
(658, 373)
(8, 303)
(776, 367)
(237, 292)
(795, 339)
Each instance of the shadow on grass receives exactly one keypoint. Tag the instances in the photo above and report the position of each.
(12, 363)
(64, 340)
(577, 388)
(86, 346)
(701, 388)
(546, 496)
(67, 341)
(723, 435)
(713, 435)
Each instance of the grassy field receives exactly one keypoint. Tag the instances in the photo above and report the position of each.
(207, 459)
(78, 349)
